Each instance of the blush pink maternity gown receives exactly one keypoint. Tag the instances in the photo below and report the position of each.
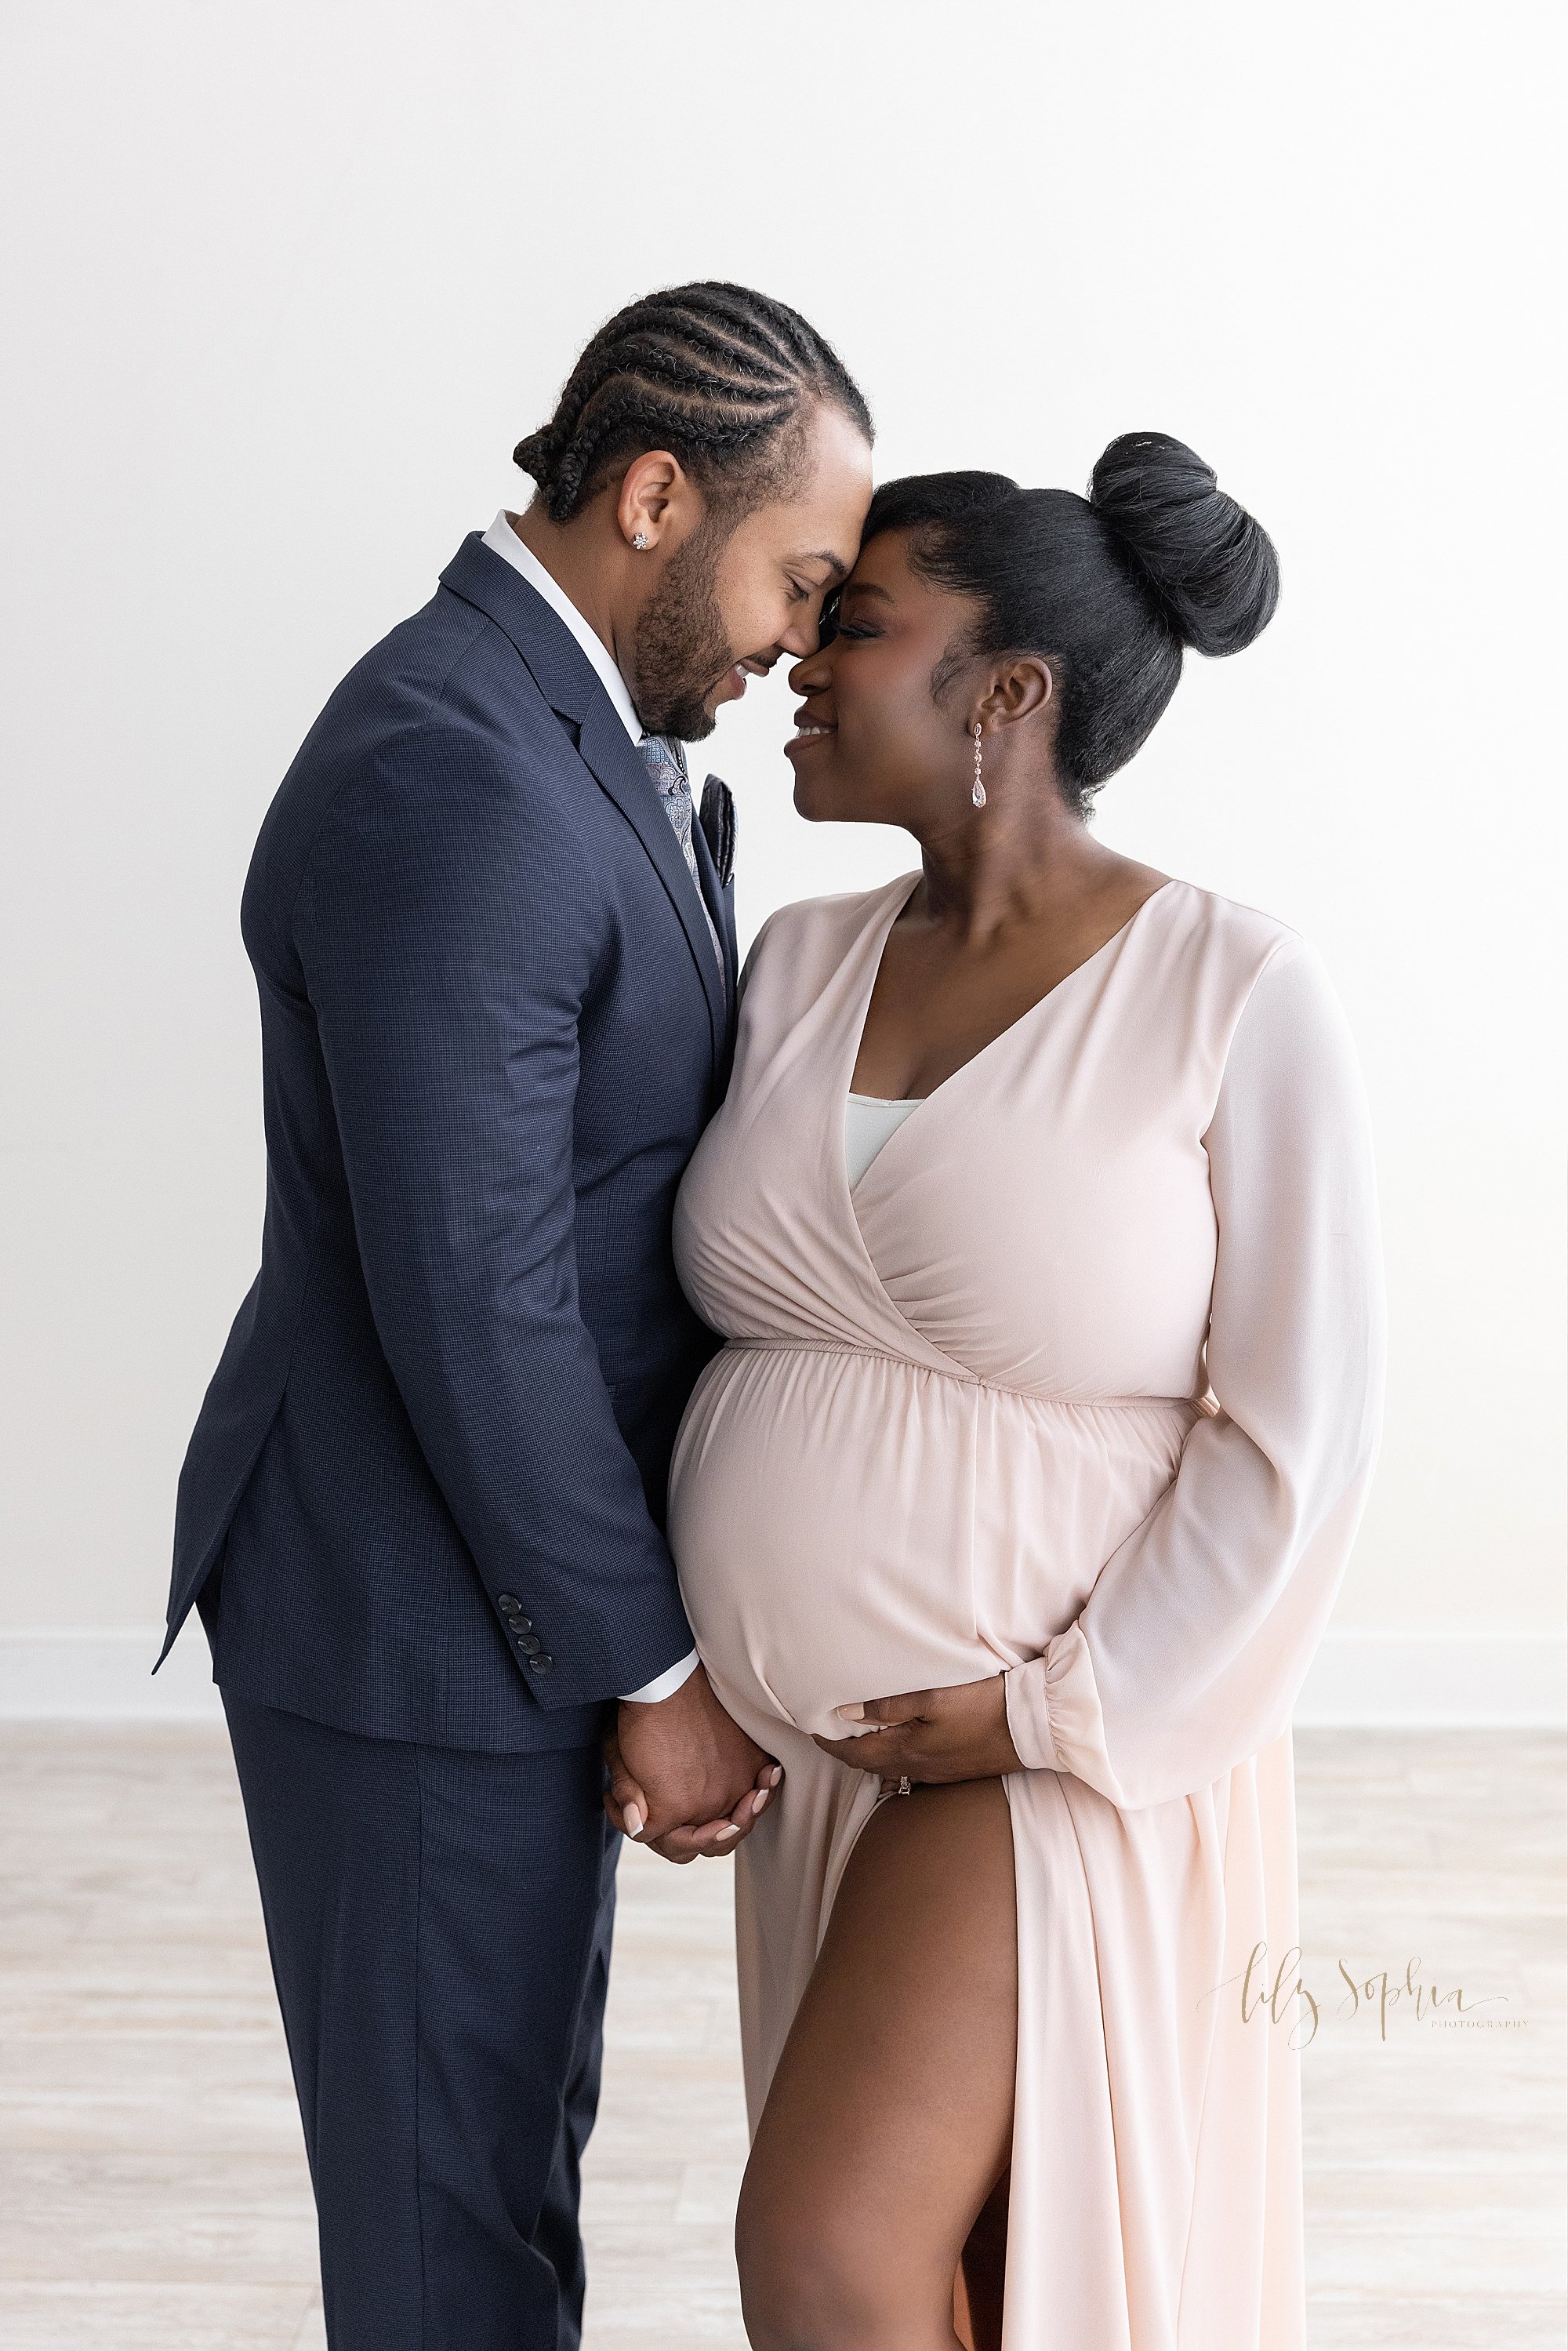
(1081, 1384)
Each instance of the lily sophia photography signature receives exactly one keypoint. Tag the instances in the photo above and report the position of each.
(1279, 1993)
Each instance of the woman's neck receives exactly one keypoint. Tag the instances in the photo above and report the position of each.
(1021, 862)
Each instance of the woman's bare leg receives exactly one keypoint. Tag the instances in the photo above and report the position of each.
(985, 2269)
(889, 2121)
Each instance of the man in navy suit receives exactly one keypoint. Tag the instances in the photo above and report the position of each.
(422, 1511)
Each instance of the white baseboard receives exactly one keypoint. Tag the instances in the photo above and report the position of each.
(1358, 1679)
(101, 1673)
(1470, 1681)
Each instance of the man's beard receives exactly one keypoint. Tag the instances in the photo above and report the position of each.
(680, 651)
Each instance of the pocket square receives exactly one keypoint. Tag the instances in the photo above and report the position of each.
(717, 817)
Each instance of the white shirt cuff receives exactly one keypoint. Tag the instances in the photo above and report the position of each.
(663, 1685)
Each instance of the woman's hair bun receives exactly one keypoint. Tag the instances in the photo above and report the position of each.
(1211, 569)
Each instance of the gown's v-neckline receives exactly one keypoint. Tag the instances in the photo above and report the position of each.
(877, 939)
(871, 944)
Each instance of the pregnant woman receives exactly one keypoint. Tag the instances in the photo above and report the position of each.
(1040, 1225)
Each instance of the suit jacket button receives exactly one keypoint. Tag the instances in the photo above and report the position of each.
(529, 1643)
(542, 1663)
(508, 1607)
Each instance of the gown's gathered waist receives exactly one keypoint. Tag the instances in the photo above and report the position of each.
(957, 1372)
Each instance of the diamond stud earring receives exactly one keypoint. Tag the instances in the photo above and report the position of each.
(640, 541)
(977, 789)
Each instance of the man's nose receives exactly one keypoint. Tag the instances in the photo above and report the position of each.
(805, 636)
(800, 638)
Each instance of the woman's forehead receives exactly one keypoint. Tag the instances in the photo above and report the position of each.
(883, 570)
(885, 576)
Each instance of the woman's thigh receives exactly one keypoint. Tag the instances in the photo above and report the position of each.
(889, 2119)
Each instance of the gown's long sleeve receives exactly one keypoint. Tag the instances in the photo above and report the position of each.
(1190, 1651)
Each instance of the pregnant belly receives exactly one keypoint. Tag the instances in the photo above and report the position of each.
(848, 1526)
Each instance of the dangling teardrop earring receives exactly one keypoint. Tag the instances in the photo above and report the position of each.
(978, 790)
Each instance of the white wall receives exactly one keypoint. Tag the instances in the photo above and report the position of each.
(285, 282)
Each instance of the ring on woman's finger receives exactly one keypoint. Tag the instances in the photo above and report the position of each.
(903, 1787)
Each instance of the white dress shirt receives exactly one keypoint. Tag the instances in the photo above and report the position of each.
(503, 540)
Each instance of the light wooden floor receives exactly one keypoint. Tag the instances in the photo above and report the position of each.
(152, 2189)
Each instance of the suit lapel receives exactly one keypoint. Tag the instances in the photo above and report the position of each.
(609, 753)
(566, 679)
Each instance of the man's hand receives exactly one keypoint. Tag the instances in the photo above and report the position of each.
(684, 1776)
(933, 1736)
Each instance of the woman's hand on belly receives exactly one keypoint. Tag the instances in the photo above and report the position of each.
(933, 1736)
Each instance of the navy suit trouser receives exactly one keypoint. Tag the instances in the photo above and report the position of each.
(439, 1923)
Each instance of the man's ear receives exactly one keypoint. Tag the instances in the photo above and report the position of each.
(650, 487)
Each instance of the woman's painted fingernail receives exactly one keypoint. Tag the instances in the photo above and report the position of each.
(850, 1713)
(776, 1775)
(632, 1818)
(760, 1800)
(729, 1830)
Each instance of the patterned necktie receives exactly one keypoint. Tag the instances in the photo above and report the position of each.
(665, 761)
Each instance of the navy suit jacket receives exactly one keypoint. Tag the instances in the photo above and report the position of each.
(493, 1028)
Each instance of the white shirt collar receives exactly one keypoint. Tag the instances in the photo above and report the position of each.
(503, 540)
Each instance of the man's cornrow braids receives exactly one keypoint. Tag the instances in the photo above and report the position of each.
(709, 371)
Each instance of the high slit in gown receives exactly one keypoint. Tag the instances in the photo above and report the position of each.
(1080, 1385)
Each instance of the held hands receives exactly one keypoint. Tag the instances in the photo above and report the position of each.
(684, 1776)
(932, 1735)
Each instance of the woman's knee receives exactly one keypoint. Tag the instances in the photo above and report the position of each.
(807, 2281)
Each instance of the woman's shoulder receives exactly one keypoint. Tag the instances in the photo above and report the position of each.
(1255, 975)
(1243, 940)
(807, 940)
(843, 914)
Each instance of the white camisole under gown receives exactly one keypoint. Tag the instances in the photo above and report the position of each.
(869, 1123)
